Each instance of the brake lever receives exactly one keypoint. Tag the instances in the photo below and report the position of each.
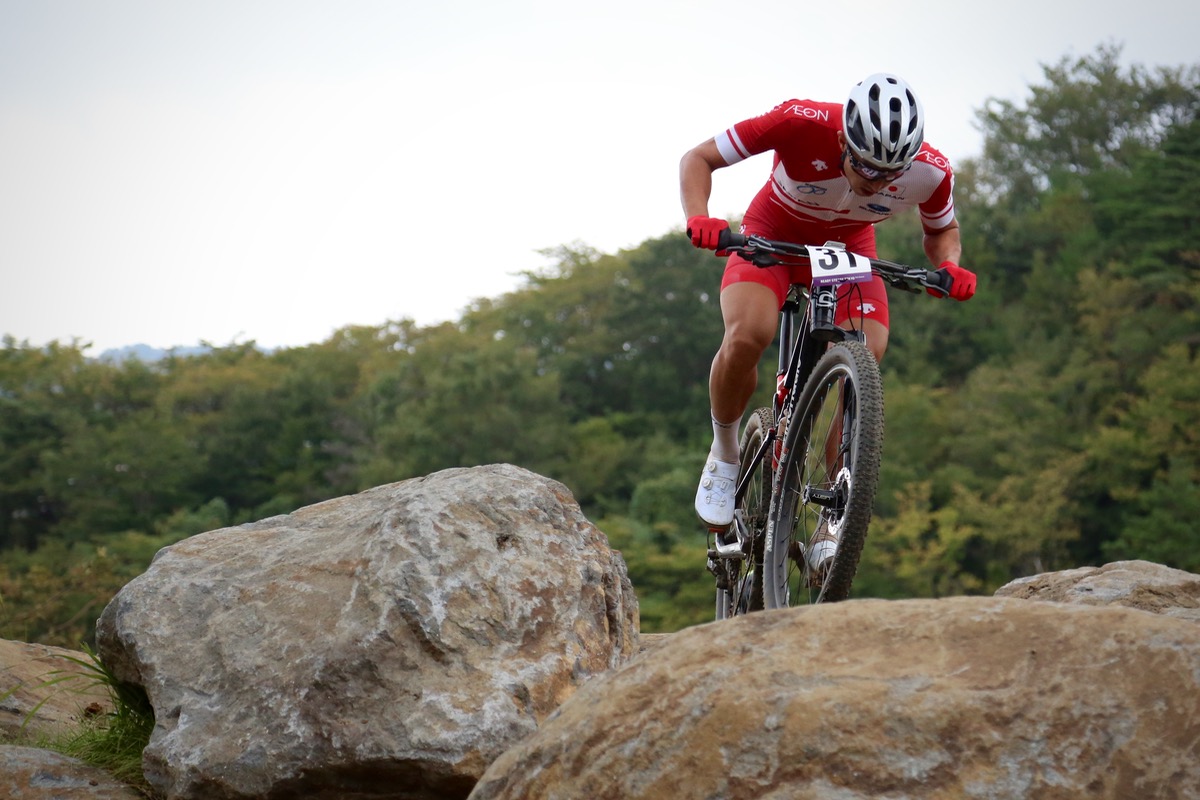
(761, 258)
(906, 286)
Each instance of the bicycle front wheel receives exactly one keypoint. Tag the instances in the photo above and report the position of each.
(741, 591)
(827, 479)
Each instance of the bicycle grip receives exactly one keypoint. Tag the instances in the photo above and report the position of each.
(727, 238)
(939, 282)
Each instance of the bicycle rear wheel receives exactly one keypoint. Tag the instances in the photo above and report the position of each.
(827, 480)
(740, 585)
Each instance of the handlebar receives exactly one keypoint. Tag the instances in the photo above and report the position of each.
(766, 253)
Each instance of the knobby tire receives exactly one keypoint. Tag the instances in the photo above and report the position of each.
(844, 395)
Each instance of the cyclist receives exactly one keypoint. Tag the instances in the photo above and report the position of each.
(838, 170)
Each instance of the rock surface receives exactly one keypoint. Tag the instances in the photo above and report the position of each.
(43, 692)
(387, 644)
(27, 773)
(1135, 584)
(934, 699)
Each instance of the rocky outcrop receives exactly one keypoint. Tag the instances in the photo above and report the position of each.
(388, 644)
(27, 773)
(932, 699)
(415, 641)
(45, 691)
(1135, 584)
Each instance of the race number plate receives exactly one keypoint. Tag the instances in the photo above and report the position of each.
(833, 265)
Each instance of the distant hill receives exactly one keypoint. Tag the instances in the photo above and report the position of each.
(148, 354)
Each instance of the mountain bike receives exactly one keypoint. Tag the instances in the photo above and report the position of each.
(809, 462)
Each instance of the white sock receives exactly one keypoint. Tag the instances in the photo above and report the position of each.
(725, 441)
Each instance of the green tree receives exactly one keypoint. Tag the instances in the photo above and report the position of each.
(1147, 462)
(462, 399)
(1157, 240)
(121, 477)
(1090, 116)
(34, 414)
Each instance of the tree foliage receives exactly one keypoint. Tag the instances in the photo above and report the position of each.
(1050, 422)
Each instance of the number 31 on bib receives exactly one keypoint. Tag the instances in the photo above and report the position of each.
(832, 265)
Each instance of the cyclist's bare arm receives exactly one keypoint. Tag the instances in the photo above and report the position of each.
(695, 177)
(943, 245)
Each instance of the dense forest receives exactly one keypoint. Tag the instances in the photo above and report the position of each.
(1051, 422)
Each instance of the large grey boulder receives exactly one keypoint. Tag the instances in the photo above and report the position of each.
(965, 698)
(386, 644)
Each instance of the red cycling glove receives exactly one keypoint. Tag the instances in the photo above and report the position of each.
(704, 231)
(962, 285)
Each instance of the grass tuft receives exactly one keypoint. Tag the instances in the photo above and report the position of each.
(111, 741)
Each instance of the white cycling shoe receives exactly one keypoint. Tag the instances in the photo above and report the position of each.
(715, 494)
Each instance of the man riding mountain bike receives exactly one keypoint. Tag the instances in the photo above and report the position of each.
(838, 170)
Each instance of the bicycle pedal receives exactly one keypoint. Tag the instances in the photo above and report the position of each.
(730, 550)
(725, 543)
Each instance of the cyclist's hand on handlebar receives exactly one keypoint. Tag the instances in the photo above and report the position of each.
(704, 231)
(958, 283)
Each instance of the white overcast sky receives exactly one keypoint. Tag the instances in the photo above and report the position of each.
(273, 170)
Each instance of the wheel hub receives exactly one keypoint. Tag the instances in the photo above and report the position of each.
(836, 515)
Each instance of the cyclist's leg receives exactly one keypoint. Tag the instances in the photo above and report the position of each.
(750, 303)
(750, 314)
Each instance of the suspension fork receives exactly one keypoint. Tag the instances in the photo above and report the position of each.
(798, 351)
(787, 324)
(785, 374)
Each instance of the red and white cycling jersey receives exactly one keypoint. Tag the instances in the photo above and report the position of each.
(807, 191)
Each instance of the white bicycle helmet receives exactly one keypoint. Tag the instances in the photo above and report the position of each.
(884, 122)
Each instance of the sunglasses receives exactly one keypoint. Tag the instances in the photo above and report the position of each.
(871, 173)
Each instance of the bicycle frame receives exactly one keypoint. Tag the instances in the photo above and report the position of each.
(801, 342)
